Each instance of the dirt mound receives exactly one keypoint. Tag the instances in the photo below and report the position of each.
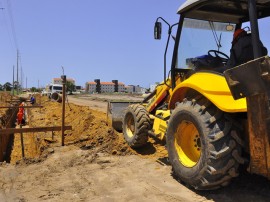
(90, 129)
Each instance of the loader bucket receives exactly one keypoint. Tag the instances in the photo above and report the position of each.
(116, 112)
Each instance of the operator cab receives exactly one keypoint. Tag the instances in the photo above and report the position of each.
(204, 45)
(206, 31)
(205, 34)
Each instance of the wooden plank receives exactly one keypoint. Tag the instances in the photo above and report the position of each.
(35, 106)
(18, 100)
(29, 130)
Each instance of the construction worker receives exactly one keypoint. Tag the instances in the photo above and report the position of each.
(21, 114)
(32, 100)
(242, 49)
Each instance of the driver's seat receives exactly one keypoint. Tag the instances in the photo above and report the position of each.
(205, 62)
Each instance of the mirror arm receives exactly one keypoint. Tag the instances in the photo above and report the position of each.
(166, 49)
(167, 44)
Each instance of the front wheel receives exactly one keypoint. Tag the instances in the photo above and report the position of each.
(201, 147)
(136, 125)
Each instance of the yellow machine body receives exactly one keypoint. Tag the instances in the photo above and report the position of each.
(160, 123)
(210, 85)
(213, 87)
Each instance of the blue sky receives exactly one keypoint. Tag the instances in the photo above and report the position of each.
(89, 38)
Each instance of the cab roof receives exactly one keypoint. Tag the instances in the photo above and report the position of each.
(235, 11)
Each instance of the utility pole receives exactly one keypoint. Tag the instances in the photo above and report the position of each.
(21, 78)
(64, 80)
(13, 81)
(17, 83)
(26, 83)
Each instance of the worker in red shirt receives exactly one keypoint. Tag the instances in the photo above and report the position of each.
(21, 114)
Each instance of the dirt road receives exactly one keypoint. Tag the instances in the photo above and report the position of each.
(246, 187)
(83, 175)
(93, 104)
(99, 101)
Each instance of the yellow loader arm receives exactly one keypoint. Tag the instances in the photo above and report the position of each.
(161, 93)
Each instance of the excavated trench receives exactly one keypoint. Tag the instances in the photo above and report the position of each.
(8, 119)
(90, 129)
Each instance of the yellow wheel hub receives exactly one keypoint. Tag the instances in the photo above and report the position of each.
(187, 143)
(130, 126)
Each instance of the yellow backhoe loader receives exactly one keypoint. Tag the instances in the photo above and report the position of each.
(214, 117)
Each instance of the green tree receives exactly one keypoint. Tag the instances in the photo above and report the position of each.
(70, 87)
(33, 89)
(1, 87)
(7, 86)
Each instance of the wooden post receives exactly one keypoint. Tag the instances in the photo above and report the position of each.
(39, 101)
(22, 143)
(63, 108)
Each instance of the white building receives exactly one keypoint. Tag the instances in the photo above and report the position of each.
(90, 87)
(129, 89)
(135, 89)
(121, 87)
(105, 87)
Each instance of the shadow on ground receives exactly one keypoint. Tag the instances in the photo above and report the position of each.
(245, 188)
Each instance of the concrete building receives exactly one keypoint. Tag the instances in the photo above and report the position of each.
(135, 89)
(121, 87)
(104, 87)
(90, 87)
(108, 87)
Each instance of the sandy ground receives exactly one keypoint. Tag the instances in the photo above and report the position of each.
(97, 165)
(83, 175)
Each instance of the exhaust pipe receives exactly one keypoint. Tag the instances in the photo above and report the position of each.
(56, 97)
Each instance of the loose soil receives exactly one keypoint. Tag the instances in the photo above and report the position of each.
(96, 164)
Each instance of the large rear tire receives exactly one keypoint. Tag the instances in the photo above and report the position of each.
(202, 145)
(136, 125)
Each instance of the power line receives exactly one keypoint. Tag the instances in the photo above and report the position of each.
(7, 27)
(14, 36)
(9, 9)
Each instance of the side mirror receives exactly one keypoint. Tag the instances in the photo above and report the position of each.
(157, 30)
